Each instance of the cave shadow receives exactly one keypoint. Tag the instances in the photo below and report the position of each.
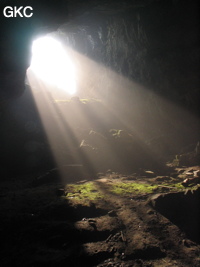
(182, 210)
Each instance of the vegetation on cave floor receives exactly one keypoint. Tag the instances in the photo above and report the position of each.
(97, 190)
(83, 192)
(124, 189)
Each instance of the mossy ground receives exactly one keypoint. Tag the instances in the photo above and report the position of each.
(92, 191)
(121, 188)
(81, 193)
(106, 216)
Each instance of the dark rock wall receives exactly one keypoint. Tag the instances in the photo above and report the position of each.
(155, 43)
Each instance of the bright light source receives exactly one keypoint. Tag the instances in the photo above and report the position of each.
(51, 63)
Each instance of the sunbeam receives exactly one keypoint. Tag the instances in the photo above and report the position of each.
(78, 130)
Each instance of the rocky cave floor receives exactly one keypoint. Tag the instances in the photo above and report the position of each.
(45, 224)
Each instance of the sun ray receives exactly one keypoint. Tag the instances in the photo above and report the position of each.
(124, 105)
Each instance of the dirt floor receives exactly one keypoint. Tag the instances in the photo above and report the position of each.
(114, 220)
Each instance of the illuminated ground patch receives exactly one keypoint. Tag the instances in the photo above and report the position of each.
(132, 188)
(83, 192)
(98, 190)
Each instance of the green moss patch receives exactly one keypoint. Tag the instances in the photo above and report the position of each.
(83, 192)
(178, 186)
(92, 191)
(132, 188)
